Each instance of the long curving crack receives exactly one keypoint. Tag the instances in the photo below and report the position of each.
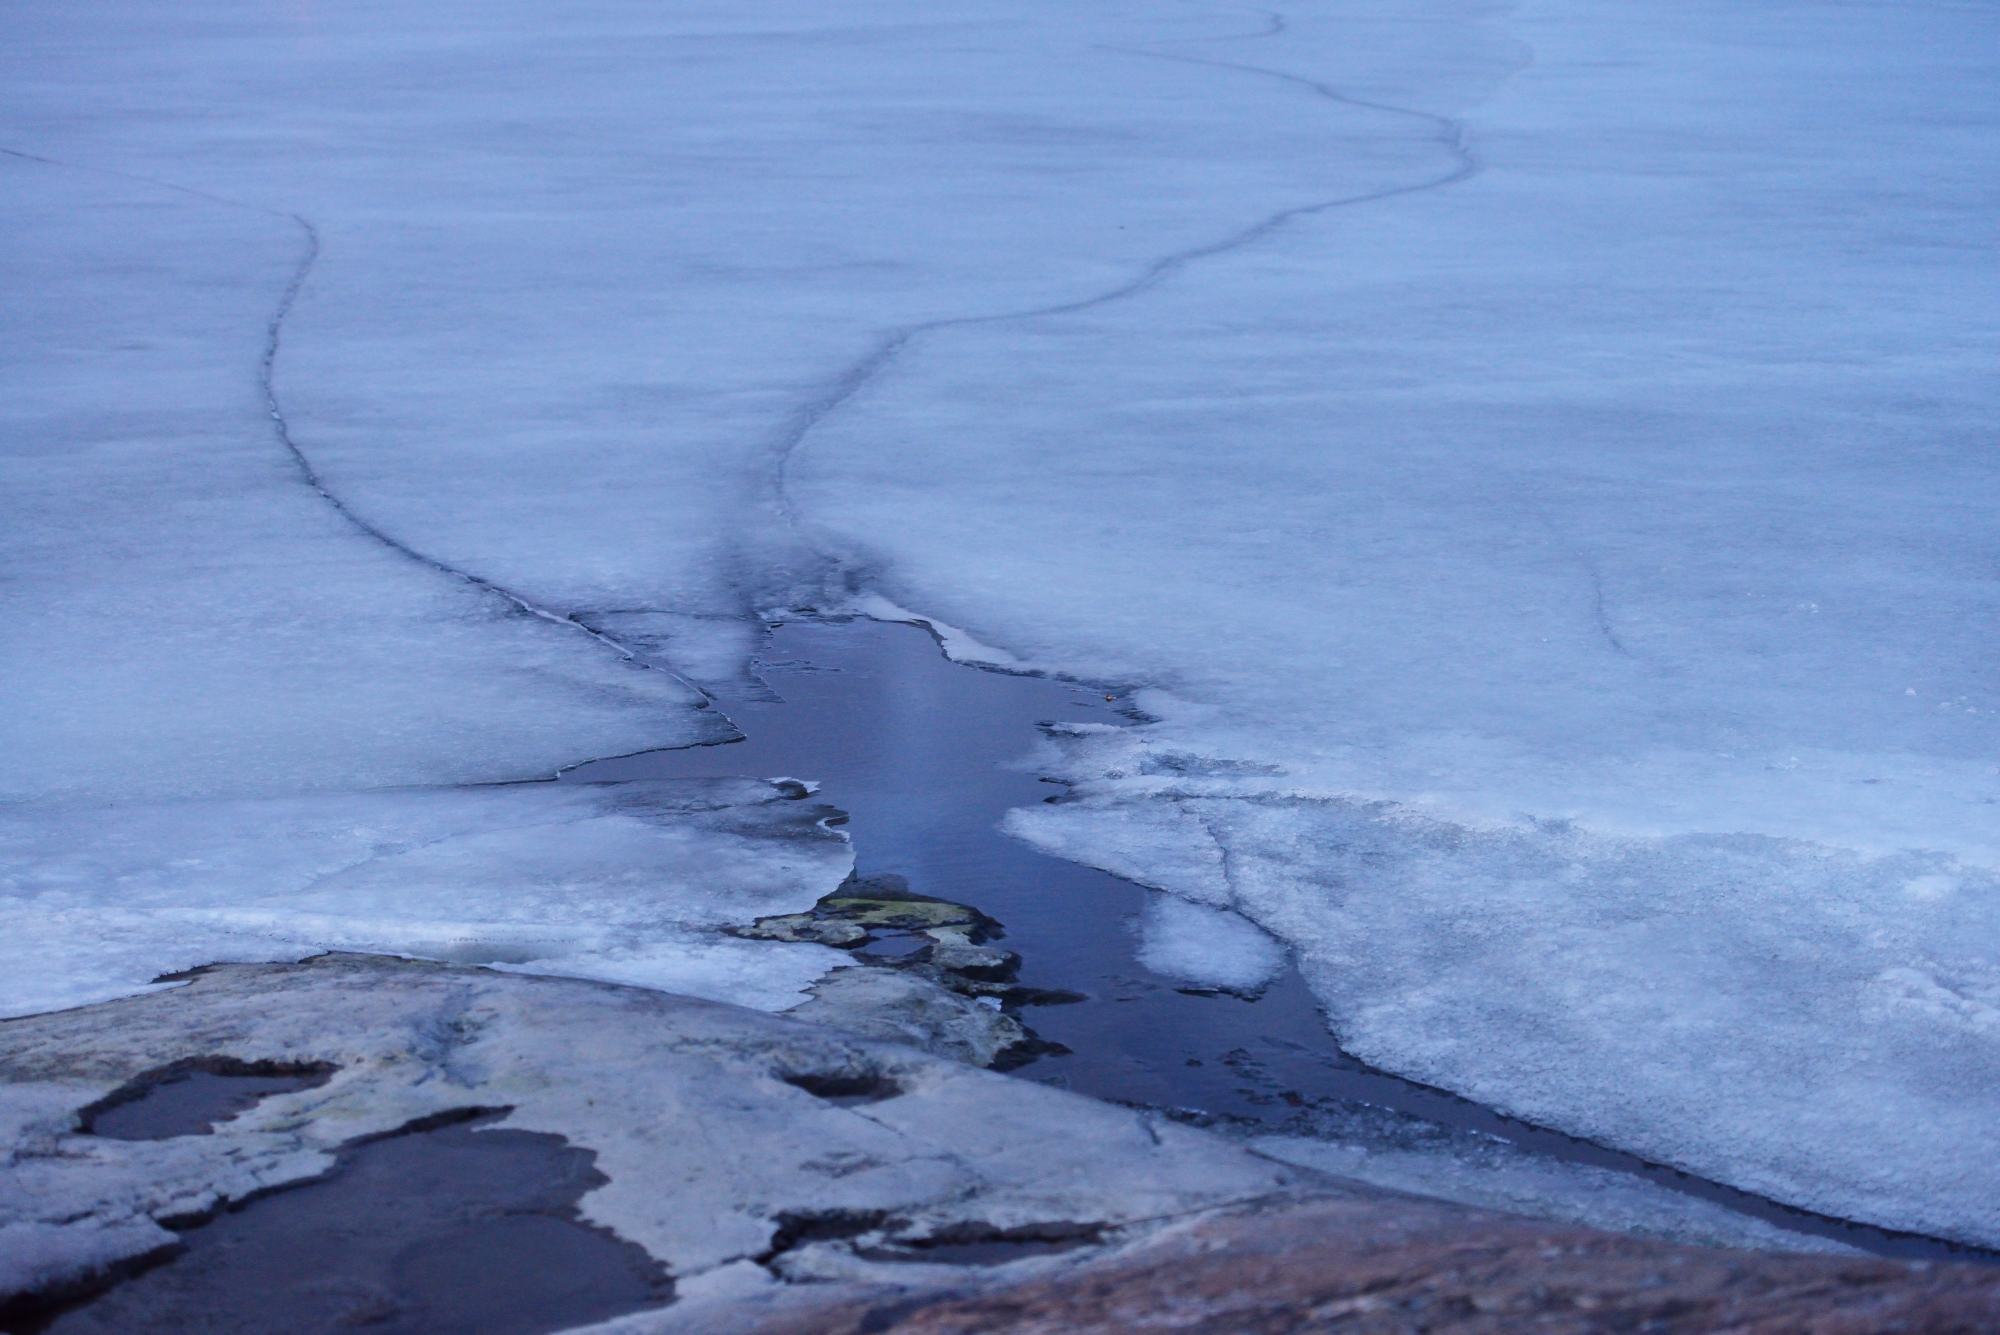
(267, 384)
(837, 392)
(1449, 133)
(267, 381)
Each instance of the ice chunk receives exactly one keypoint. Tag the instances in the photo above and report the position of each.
(1157, 845)
(957, 645)
(1206, 947)
(1776, 1014)
(622, 882)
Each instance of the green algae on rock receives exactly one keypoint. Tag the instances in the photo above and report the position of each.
(951, 962)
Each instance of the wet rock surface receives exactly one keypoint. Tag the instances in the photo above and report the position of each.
(901, 1007)
(926, 973)
(190, 1098)
(1406, 1266)
(753, 1158)
(465, 1149)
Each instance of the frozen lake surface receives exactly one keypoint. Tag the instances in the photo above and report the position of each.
(1534, 463)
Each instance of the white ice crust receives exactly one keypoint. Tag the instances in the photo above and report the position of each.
(1498, 1177)
(1540, 459)
(1206, 947)
(624, 883)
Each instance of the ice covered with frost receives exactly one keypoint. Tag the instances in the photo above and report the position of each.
(235, 718)
(1406, 1153)
(543, 294)
(584, 271)
(186, 618)
(1570, 586)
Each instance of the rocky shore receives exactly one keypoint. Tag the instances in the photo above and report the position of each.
(405, 1146)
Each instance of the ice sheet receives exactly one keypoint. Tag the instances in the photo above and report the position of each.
(1406, 1155)
(1569, 588)
(1566, 584)
(184, 616)
(621, 882)
(541, 296)
(636, 251)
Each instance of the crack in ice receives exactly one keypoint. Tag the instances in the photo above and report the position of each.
(1450, 133)
(267, 383)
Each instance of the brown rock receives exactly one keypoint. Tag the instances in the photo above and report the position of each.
(1407, 1266)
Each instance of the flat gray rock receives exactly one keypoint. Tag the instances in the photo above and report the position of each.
(741, 1149)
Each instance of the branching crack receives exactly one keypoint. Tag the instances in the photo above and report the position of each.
(1449, 133)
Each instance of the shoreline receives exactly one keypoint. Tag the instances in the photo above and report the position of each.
(650, 1164)
(924, 752)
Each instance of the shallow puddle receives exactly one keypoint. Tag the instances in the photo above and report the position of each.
(920, 752)
(193, 1100)
(446, 1231)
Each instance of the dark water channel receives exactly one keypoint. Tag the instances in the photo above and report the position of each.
(921, 752)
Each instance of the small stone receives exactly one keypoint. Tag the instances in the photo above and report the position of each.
(983, 962)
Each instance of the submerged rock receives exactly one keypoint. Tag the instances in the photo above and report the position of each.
(805, 927)
(862, 909)
(955, 954)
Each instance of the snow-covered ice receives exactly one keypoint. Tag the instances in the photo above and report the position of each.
(1539, 458)
(1365, 1144)
(558, 289)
